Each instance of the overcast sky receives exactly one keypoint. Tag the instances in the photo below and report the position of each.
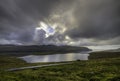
(72, 22)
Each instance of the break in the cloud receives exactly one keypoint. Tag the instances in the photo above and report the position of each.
(74, 22)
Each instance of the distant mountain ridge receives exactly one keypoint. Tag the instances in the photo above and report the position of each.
(40, 49)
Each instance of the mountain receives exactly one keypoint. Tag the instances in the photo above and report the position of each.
(40, 49)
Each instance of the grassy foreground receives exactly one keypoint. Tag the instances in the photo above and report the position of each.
(104, 69)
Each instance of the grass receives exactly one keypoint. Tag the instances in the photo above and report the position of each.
(103, 69)
(93, 70)
(104, 54)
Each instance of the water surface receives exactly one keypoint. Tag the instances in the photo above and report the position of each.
(67, 56)
(55, 57)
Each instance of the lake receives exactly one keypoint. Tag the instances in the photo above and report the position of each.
(55, 57)
(67, 56)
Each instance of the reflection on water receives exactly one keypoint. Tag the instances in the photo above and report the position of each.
(55, 58)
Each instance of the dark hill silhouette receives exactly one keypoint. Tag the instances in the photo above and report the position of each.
(39, 49)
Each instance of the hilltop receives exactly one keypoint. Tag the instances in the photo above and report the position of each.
(39, 49)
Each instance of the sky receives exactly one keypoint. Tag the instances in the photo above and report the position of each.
(60, 22)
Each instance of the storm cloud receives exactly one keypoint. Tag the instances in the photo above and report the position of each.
(76, 21)
(97, 19)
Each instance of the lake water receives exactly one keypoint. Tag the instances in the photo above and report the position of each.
(67, 56)
(55, 57)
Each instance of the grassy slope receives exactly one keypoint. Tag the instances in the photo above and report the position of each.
(94, 70)
(106, 69)
(104, 54)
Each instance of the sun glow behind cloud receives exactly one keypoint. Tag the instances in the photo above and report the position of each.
(72, 22)
(50, 30)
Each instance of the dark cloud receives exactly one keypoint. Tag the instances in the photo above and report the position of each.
(98, 20)
(81, 19)
(22, 16)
